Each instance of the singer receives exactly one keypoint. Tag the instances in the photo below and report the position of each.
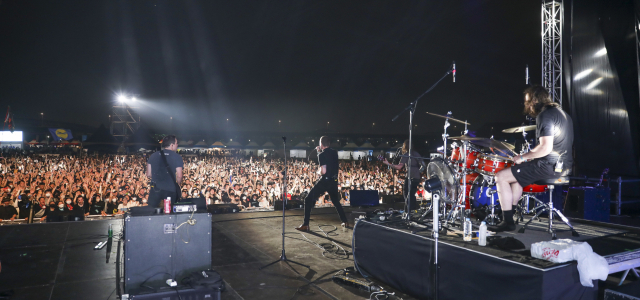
(550, 159)
(328, 182)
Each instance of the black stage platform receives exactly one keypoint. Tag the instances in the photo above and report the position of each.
(57, 261)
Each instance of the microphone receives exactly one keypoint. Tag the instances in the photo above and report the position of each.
(284, 138)
(454, 71)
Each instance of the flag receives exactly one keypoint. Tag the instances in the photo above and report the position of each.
(60, 134)
(8, 120)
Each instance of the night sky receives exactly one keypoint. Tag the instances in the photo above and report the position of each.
(306, 63)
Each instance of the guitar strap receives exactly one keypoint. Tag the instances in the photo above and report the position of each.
(172, 174)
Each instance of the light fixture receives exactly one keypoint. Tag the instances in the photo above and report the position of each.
(122, 98)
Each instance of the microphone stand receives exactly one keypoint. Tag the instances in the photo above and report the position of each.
(283, 256)
(412, 109)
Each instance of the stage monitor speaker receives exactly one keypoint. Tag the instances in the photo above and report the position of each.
(291, 204)
(154, 250)
(364, 198)
(223, 208)
(389, 199)
(588, 203)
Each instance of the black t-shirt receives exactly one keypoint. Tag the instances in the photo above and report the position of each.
(6, 212)
(96, 208)
(552, 121)
(329, 158)
(415, 164)
(159, 174)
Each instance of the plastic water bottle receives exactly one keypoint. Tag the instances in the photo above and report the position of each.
(482, 235)
(467, 230)
(110, 232)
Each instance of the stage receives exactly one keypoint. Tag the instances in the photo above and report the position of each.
(57, 261)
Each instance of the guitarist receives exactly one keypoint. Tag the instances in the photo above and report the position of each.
(416, 163)
(164, 184)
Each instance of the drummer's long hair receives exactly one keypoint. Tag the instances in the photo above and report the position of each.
(539, 99)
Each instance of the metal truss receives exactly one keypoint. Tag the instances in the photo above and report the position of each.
(552, 23)
(124, 121)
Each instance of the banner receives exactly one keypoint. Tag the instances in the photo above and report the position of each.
(59, 134)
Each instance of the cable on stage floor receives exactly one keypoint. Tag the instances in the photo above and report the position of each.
(331, 248)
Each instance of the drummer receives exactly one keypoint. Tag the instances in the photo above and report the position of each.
(554, 130)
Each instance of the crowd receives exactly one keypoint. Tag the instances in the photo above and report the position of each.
(111, 184)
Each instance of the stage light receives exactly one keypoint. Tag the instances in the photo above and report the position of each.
(583, 74)
(134, 99)
(594, 83)
(122, 98)
(600, 52)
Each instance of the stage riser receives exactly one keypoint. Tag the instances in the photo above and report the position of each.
(403, 260)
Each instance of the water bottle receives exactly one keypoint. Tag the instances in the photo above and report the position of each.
(110, 233)
(467, 230)
(482, 235)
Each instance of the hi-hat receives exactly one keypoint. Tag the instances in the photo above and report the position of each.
(450, 118)
(519, 129)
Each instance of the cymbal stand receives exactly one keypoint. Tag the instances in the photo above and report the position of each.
(458, 211)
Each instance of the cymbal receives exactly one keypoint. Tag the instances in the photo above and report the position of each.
(463, 138)
(519, 129)
(491, 143)
(452, 119)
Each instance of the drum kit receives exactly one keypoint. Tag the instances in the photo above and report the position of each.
(468, 175)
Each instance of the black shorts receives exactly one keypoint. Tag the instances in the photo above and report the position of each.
(529, 172)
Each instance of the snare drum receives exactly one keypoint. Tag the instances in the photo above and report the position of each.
(489, 164)
(458, 155)
(534, 189)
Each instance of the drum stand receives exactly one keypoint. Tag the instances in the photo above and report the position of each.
(492, 218)
(523, 207)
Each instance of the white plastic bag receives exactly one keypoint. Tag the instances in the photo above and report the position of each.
(557, 251)
(590, 265)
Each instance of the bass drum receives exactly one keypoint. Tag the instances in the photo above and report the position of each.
(479, 196)
(437, 167)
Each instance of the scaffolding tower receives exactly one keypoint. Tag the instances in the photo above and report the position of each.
(552, 23)
(124, 121)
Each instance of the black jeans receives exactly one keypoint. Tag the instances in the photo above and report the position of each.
(414, 189)
(323, 185)
(156, 197)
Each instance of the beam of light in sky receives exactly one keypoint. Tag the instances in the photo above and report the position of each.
(600, 52)
(593, 83)
(583, 74)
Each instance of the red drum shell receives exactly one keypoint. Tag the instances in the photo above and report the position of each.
(534, 188)
(492, 164)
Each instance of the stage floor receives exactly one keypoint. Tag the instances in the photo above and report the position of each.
(57, 261)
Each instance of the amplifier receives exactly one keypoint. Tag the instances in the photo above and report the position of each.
(181, 208)
(159, 247)
(589, 203)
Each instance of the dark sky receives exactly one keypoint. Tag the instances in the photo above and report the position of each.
(350, 63)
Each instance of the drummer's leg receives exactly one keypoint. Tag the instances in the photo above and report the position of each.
(504, 179)
(516, 192)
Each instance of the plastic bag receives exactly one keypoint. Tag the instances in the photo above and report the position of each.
(557, 251)
(590, 265)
